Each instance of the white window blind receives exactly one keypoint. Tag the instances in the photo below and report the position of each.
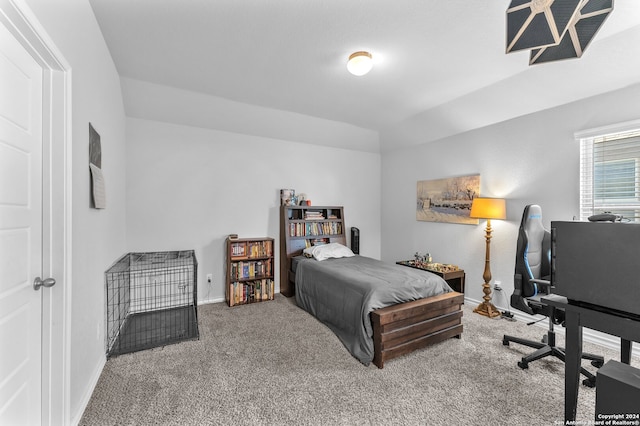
(610, 174)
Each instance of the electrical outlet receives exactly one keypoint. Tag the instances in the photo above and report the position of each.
(209, 278)
(496, 285)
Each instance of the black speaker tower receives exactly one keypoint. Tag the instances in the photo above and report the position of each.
(355, 240)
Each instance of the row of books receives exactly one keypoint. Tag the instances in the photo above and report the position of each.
(251, 291)
(314, 228)
(314, 214)
(252, 249)
(260, 248)
(319, 215)
(250, 269)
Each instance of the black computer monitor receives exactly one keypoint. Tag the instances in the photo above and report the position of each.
(597, 263)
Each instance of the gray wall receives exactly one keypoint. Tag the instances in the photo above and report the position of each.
(98, 236)
(189, 187)
(533, 159)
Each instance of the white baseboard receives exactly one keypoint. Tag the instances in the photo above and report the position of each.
(588, 335)
(76, 417)
(207, 301)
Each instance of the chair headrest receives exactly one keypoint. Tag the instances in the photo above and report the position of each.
(532, 219)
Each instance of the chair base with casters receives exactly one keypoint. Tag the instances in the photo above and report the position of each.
(547, 347)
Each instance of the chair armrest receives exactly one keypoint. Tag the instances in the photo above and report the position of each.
(545, 283)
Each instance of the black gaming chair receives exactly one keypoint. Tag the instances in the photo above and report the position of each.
(531, 282)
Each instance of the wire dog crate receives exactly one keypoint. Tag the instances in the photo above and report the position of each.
(151, 301)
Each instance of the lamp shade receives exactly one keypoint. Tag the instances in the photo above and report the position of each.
(488, 208)
(360, 63)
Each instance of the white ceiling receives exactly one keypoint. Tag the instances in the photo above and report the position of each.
(291, 54)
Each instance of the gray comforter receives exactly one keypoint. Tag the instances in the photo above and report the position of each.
(342, 292)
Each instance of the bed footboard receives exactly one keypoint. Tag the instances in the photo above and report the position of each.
(403, 328)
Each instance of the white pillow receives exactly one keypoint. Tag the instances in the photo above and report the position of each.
(327, 251)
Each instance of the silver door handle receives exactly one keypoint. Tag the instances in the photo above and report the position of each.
(39, 282)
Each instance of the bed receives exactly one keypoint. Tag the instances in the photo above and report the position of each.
(378, 311)
(396, 327)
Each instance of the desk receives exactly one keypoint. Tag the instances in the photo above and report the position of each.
(607, 321)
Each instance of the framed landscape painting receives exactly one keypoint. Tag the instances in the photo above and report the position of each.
(447, 200)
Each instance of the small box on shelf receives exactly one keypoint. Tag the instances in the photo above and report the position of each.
(238, 249)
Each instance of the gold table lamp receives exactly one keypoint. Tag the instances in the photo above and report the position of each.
(487, 208)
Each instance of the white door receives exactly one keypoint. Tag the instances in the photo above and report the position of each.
(20, 233)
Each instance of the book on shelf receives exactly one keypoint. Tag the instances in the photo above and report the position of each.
(260, 249)
(251, 291)
(314, 228)
(250, 269)
(313, 215)
(264, 289)
(238, 250)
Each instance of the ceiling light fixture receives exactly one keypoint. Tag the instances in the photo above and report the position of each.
(360, 63)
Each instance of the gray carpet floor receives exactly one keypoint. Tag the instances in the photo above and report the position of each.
(271, 363)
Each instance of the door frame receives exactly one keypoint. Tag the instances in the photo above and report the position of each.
(57, 207)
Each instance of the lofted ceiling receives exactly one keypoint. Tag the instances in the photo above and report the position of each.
(291, 54)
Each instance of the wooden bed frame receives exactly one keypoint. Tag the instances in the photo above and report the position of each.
(405, 327)
(397, 329)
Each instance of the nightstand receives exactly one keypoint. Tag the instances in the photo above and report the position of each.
(453, 275)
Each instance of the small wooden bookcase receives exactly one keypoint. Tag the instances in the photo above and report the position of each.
(249, 275)
(302, 227)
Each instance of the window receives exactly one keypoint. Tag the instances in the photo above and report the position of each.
(610, 171)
